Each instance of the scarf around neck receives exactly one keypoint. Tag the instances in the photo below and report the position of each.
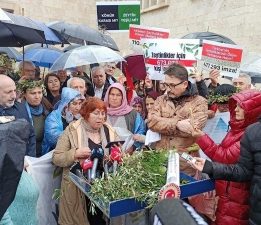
(84, 137)
(36, 110)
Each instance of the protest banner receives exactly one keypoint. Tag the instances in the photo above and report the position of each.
(117, 16)
(223, 57)
(160, 53)
(48, 179)
(137, 32)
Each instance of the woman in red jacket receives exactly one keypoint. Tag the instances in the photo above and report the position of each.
(233, 205)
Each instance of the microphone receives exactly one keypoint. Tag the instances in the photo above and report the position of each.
(87, 165)
(96, 156)
(115, 157)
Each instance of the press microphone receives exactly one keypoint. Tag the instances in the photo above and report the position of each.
(115, 157)
(96, 156)
(87, 165)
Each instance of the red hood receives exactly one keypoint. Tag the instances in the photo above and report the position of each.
(250, 101)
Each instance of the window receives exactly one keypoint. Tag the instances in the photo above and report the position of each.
(8, 10)
(149, 5)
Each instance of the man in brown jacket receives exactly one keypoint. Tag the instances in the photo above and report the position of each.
(171, 113)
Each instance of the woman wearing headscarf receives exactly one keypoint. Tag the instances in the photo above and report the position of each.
(67, 110)
(120, 114)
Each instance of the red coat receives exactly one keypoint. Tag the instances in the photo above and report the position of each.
(233, 205)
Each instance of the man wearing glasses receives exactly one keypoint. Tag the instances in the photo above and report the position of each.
(27, 70)
(175, 110)
(110, 70)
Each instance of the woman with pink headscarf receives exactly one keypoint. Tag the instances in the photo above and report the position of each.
(120, 114)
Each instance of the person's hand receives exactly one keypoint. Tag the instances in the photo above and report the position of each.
(139, 138)
(130, 150)
(198, 164)
(82, 153)
(211, 114)
(214, 75)
(185, 126)
(197, 133)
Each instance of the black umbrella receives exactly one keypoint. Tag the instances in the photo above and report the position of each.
(19, 31)
(209, 36)
(81, 34)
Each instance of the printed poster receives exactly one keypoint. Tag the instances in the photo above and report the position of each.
(223, 57)
(118, 15)
(160, 53)
(137, 32)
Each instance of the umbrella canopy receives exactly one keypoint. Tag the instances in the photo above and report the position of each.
(81, 34)
(43, 57)
(50, 36)
(19, 31)
(135, 65)
(209, 36)
(11, 52)
(40, 46)
(85, 55)
(71, 47)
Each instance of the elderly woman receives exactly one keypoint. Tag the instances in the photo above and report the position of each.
(233, 203)
(120, 114)
(56, 122)
(37, 107)
(137, 104)
(75, 144)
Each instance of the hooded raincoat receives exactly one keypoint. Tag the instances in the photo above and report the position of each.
(53, 123)
(233, 203)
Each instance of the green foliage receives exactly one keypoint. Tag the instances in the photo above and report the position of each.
(140, 176)
(25, 85)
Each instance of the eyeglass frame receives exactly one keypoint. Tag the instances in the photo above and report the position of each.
(171, 85)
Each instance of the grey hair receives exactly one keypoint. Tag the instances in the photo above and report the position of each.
(246, 76)
(96, 68)
(22, 63)
(69, 82)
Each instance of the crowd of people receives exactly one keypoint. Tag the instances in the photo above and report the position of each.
(72, 114)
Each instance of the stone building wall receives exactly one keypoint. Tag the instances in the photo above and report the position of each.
(239, 20)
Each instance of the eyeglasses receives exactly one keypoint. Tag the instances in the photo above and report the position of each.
(172, 86)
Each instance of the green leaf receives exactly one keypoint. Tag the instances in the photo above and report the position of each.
(56, 194)
(57, 172)
(189, 50)
(195, 47)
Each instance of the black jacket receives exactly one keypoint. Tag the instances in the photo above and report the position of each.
(19, 111)
(248, 168)
(13, 139)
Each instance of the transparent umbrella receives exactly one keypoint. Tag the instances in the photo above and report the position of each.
(85, 55)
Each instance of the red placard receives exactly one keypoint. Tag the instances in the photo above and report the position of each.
(137, 33)
(222, 53)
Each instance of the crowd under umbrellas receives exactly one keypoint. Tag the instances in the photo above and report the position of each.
(20, 31)
(94, 48)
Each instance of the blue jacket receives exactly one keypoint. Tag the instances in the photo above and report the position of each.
(18, 110)
(53, 123)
